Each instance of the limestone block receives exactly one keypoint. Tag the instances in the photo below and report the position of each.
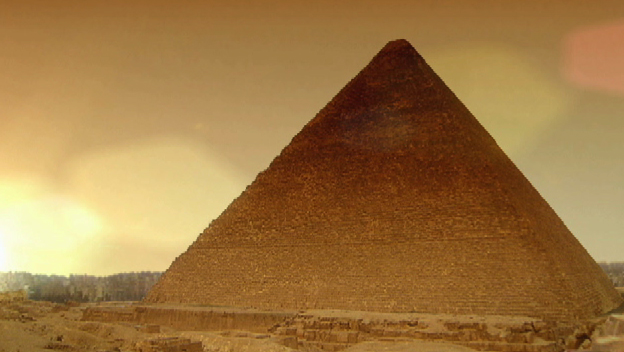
(529, 337)
(309, 335)
(614, 326)
(586, 345)
(288, 341)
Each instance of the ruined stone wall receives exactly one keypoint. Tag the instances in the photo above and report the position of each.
(190, 318)
(335, 330)
(339, 330)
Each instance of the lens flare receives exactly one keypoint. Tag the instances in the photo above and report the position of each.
(42, 230)
(593, 56)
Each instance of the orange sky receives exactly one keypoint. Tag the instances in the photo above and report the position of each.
(125, 129)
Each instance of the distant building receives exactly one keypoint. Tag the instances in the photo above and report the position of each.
(615, 271)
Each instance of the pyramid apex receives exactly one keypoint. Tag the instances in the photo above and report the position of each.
(398, 44)
(398, 48)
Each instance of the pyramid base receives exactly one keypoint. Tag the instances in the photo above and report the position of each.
(334, 330)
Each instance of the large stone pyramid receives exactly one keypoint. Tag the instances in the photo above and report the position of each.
(394, 199)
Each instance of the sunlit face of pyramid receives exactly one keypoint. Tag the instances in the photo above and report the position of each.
(393, 198)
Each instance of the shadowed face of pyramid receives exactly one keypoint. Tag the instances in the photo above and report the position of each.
(393, 198)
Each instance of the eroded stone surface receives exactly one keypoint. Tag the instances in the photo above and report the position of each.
(333, 330)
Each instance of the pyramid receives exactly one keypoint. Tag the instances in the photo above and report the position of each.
(392, 199)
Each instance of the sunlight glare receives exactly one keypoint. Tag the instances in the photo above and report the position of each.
(42, 230)
(4, 260)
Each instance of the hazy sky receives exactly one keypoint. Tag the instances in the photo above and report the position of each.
(127, 126)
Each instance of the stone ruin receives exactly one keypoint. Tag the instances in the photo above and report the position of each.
(394, 198)
(170, 344)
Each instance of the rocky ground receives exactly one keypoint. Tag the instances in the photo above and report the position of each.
(43, 326)
(31, 326)
(27, 326)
